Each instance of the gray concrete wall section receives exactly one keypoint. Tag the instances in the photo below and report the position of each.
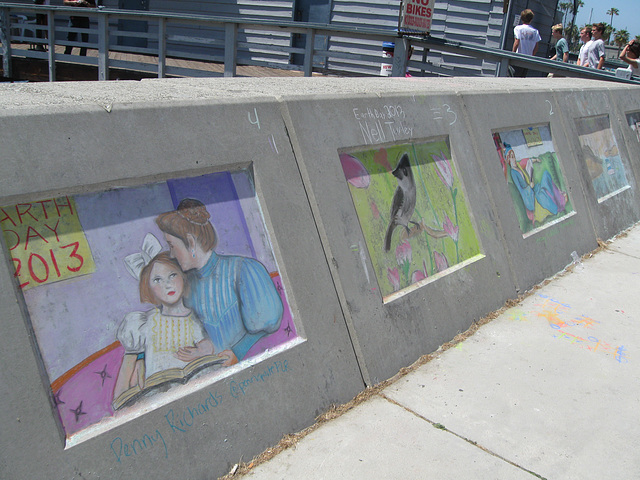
(628, 103)
(614, 213)
(391, 335)
(551, 245)
(73, 138)
(84, 148)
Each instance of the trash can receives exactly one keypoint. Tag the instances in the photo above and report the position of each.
(387, 59)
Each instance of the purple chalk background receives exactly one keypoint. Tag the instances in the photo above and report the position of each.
(73, 319)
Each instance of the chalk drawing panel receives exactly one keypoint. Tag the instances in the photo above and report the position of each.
(536, 184)
(85, 321)
(601, 155)
(412, 210)
(633, 120)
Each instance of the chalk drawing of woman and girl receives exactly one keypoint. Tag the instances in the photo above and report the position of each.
(540, 199)
(209, 309)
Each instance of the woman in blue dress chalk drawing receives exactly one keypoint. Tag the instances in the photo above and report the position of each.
(233, 296)
(540, 199)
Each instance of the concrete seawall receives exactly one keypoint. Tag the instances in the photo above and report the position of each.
(390, 214)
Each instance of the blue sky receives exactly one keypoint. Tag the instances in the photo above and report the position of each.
(628, 19)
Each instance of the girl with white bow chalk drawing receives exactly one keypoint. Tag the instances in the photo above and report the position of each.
(167, 336)
(233, 296)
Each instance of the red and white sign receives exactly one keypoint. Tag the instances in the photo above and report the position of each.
(417, 14)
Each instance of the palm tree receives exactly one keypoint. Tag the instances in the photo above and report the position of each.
(606, 34)
(564, 7)
(612, 11)
(576, 6)
(574, 10)
(638, 38)
(621, 38)
(572, 34)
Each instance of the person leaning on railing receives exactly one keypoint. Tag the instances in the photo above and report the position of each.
(78, 22)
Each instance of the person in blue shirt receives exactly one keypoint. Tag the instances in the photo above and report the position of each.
(233, 296)
(562, 48)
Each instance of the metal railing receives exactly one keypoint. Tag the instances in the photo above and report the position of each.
(104, 32)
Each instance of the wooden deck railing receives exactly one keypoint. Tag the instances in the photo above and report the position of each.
(18, 24)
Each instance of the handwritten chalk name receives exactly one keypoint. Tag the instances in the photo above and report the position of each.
(238, 388)
(374, 132)
(379, 126)
(121, 448)
(180, 422)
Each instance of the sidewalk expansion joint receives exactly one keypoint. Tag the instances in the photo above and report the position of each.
(625, 254)
(440, 426)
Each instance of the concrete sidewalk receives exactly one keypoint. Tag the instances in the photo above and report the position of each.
(549, 389)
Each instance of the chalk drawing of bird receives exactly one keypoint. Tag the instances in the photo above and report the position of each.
(404, 199)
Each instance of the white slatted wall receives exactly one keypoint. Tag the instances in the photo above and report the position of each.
(265, 9)
(471, 21)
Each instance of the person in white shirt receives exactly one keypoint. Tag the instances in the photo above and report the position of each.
(596, 51)
(630, 54)
(526, 36)
(526, 40)
(585, 38)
